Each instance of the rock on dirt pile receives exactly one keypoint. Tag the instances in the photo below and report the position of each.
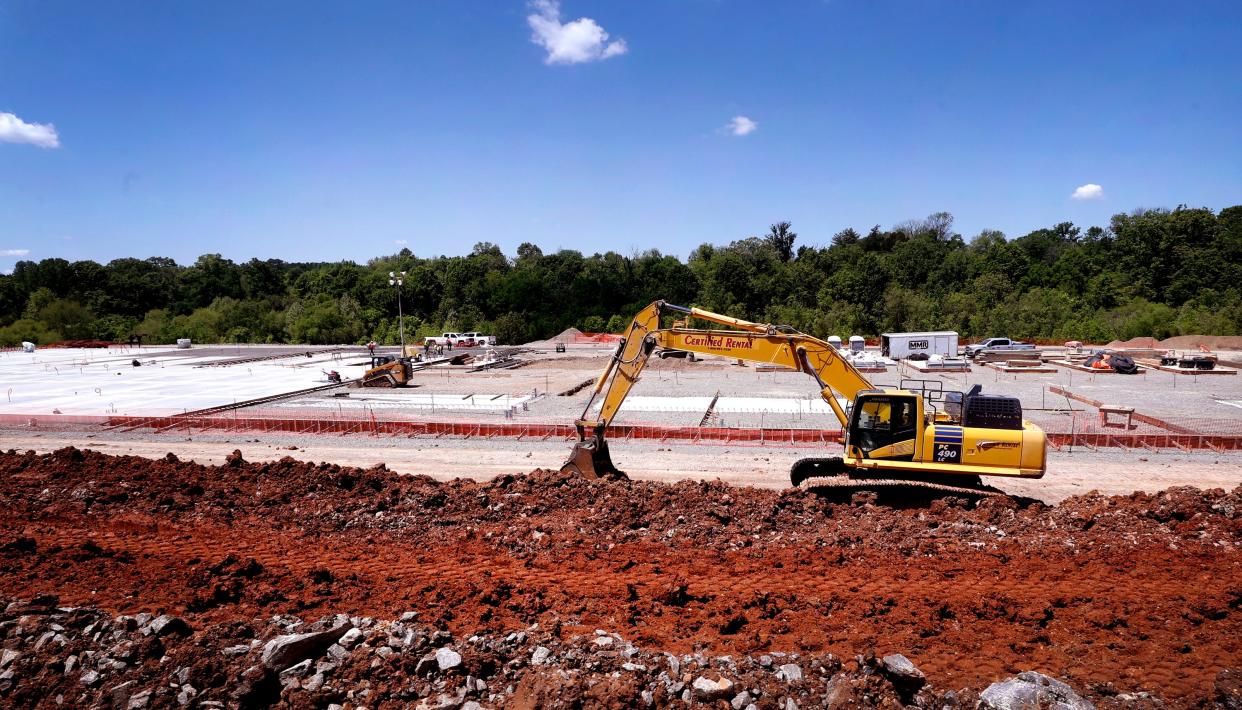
(82, 657)
(1126, 600)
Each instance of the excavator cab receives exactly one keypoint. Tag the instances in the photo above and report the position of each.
(884, 425)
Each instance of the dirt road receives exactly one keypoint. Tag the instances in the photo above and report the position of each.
(1111, 471)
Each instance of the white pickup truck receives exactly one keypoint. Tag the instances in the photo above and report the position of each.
(996, 344)
(481, 340)
(452, 340)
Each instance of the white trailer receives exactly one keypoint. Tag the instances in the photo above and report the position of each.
(903, 345)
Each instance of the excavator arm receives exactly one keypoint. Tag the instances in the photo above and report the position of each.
(741, 339)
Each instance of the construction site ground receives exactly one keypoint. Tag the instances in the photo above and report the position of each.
(88, 387)
(473, 571)
(1109, 471)
(1129, 599)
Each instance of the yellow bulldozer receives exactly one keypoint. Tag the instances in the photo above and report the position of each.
(388, 371)
(916, 434)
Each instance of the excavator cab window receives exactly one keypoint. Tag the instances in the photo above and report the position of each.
(880, 423)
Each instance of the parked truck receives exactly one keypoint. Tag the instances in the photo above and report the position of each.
(450, 340)
(916, 346)
(996, 344)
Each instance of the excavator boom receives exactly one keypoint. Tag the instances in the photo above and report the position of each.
(748, 341)
(743, 340)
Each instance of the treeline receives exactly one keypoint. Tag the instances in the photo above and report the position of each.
(1149, 273)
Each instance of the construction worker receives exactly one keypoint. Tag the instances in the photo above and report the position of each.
(371, 348)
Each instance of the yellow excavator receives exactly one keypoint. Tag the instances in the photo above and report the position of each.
(915, 435)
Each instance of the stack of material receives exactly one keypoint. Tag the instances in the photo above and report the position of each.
(1026, 361)
(1117, 362)
(940, 363)
(507, 362)
(1013, 357)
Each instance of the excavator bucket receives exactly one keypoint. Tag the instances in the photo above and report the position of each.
(590, 459)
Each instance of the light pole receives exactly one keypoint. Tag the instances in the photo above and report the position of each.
(396, 279)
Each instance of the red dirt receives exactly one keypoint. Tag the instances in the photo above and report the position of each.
(1115, 594)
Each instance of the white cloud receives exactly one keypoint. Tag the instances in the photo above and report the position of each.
(14, 252)
(401, 242)
(1090, 191)
(582, 40)
(741, 126)
(15, 130)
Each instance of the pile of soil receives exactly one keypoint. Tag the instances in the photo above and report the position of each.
(83, 656)
(1143, 343)
(1119, 596)
(1180, 342)
(1212, 342)
(569, 335)
(573, 336)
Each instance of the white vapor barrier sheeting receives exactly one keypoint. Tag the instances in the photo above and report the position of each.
(429, 402)
(100, 382)
(739, 405)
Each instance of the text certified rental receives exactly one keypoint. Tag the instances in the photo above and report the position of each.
(903, 345)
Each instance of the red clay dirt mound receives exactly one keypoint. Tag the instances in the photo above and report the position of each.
(1117, 595)
(1212, 342)
(1180, 342)
(569, 335)
(1134, 344)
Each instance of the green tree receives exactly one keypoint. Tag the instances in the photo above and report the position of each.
(511, 329)
(781, 238)
(27, 330)
(40, 299)
(69, 318)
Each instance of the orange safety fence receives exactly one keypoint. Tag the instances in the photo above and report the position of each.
(1077, 429)
(594, 338)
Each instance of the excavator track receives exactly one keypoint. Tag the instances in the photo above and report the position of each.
(832, 475)
(845, 483)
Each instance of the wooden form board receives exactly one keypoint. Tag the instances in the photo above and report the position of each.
(1002, 367)
(918, 365)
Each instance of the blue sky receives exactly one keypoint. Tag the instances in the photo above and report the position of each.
(327, 131)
